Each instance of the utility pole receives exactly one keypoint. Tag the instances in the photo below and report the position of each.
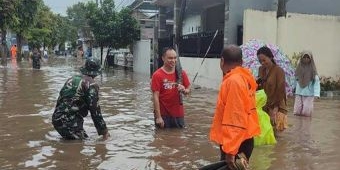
(281, 8)
(226, 23)
(281, 14)
(179, 11)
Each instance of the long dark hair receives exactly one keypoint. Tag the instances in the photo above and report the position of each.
(267, 52)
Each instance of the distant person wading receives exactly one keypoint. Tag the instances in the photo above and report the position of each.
(36, 59)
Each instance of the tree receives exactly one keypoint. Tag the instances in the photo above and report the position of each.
(102, 21)
(129, 28)
(63, 31)
(77, 15)
(26, 12)
(40, 34)
(110, 28)
(7, 17)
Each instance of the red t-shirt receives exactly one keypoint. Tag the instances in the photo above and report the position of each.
(168, 93)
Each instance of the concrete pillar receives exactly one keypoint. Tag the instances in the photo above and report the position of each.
(155, 44)
(226, 23)
(177, 10)
(162, 22)
(281, 17)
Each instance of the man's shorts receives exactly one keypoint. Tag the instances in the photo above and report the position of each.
(172, 122)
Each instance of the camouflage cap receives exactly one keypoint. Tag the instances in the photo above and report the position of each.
(92, 67)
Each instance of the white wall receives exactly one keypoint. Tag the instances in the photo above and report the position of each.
(236, 14)
(141, 57)
(319, 34)
(209, 75)
(263, 27)
(96, 54)
(298, 32)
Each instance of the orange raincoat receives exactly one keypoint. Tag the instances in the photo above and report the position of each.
(13, 51)
(235, 118)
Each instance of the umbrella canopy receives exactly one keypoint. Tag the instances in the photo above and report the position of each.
(251, 61)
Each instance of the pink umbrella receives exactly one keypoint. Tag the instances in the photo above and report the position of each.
(251, 61)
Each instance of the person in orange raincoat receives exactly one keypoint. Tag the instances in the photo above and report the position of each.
(14, 51)
(235, 122)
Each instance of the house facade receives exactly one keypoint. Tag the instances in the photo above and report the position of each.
(203, 18)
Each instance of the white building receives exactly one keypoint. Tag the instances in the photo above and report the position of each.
(203, 17)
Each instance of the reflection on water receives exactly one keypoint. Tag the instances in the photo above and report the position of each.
(28, 141)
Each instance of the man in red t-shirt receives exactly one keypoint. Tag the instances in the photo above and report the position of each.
(168, 111)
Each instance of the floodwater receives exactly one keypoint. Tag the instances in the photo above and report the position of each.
(28, 140)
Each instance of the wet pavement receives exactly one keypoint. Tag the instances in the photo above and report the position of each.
(28, 140)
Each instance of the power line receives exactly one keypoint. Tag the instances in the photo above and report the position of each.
(128, 2)
(121, 5)
(121, 2)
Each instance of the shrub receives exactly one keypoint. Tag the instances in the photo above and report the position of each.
(329, 83)
(294, 59)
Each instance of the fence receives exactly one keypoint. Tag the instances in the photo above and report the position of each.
(195, 45)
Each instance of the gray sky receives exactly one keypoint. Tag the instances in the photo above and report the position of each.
(60, 6)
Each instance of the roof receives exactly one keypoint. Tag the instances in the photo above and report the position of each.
(143, 5)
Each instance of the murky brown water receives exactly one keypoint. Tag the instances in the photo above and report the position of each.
(28, 140)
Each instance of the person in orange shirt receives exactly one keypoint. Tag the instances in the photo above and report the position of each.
(14, 51)
(235, 122)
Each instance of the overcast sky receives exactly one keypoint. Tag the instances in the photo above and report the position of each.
(60, 6)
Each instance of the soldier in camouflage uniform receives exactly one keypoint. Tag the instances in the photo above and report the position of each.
(78, 96)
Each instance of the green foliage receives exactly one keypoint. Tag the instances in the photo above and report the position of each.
(295, 59)
(26, 12)
(329, 83)
(129, 28)
(40, 34)
(7, 18)
(7, 13)
(33, 21)
(63, 31)
(77, 14)
(109, 27)
(102, 21)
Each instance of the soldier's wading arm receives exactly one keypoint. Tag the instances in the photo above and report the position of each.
(99, 123)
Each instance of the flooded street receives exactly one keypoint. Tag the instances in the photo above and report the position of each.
(28, 140)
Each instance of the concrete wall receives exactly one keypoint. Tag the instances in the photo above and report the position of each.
(298, 32)
(96, 54)
(260, 25)
(209, 75)
(237, 8)
(141, 57)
